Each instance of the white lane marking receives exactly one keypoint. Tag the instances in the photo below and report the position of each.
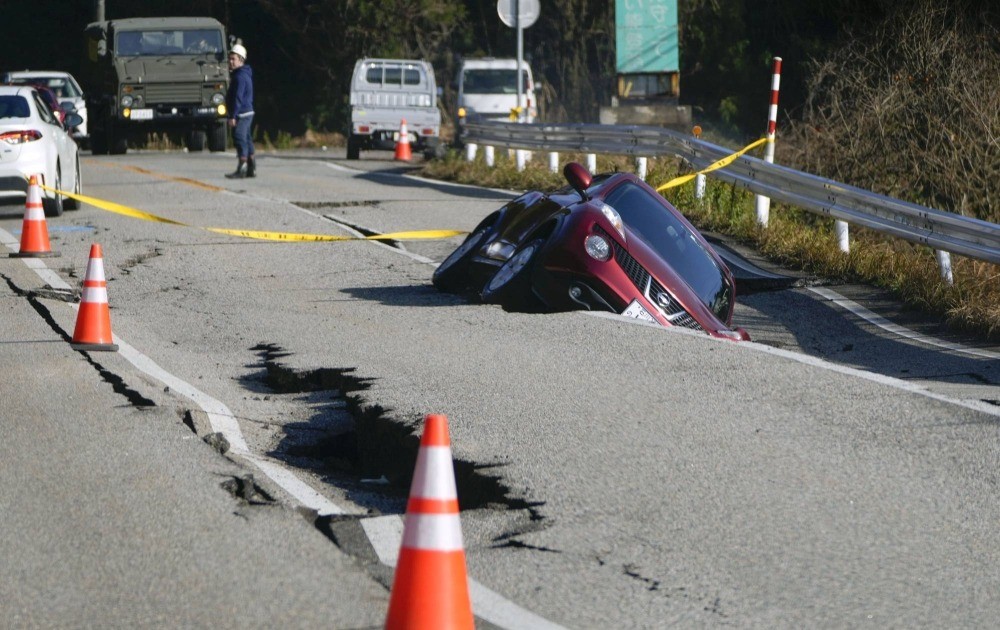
(975, 405)
(385, 534)
(896, 329)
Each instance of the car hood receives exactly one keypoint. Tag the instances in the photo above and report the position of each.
(169, 69)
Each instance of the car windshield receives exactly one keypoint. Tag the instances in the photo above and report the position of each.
(14, 107)
(498, 81)
(157, 43)
(674, 241)
(62, 87)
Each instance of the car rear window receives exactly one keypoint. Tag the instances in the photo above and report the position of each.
(661, 230)
(62, 87)
(498, 81)
(14, 107)
(392, 75)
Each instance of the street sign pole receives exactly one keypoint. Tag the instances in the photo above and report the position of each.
(520, 61)
(510, 14)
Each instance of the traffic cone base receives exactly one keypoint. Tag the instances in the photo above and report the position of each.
(93, 320)
(34, 232)
(431, 591)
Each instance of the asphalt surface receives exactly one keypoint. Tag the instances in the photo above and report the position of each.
(611, 474)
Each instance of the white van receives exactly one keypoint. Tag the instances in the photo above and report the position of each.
(487, 89)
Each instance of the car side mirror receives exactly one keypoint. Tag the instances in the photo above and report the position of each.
(68, 106)
(578, 177)
(72, 120)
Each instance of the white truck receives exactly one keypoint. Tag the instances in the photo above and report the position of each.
(487, 90)
(384, 92)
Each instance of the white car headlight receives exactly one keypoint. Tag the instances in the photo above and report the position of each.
(597, 247)
(614, 218)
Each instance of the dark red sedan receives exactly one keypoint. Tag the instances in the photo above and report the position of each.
(604, 243)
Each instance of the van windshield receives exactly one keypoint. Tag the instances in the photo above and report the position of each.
(493, 81)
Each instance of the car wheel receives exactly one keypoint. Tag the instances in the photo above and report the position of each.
(510, 286)
(53, 206)
(70, 203)
(353, 147)
(217, 138)
(452, 275)
(195, 140)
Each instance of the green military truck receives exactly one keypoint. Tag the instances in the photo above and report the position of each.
(156, 75)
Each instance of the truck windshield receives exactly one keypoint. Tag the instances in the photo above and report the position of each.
(494, 81)
(168, 42)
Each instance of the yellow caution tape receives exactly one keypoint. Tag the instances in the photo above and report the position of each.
(256, 234)
(724, 162)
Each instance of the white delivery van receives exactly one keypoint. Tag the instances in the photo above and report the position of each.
(487, 89)
(384, 92)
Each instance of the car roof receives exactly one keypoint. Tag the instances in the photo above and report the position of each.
(21, 90)
(38, 73)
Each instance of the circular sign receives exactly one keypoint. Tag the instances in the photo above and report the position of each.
(527, 12)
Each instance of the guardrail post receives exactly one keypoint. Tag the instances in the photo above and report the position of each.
(490, 156)
(592, 162)
(699, 179)
(944, 261)
(640, 167)
(843, 236)
(553, 162)
(519, 159)
(470, 152)
(764, 203)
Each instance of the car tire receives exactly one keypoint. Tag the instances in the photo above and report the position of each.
(452, 275)
(510, 286)
(353, 147)
(217, 138)
(195, 140)
(74, 204)
(53, 206)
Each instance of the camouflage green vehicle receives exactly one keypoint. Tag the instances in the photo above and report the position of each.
(146, 75)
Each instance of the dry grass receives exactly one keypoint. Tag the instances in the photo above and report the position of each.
(794, 238)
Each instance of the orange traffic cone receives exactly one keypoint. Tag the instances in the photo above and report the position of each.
(430, 588)
(34, 230)
(403, 143)
(93, 321)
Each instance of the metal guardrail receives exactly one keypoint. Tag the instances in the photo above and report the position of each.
(940, 230)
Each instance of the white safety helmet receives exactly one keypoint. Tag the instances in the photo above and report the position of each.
(239, 50)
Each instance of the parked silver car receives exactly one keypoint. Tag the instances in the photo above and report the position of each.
(34, 142)
(65, 87)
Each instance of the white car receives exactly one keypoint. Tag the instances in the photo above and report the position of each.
(34, 142)
(65, 87)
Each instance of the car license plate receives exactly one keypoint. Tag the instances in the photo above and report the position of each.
(634, 309)
(142, 114)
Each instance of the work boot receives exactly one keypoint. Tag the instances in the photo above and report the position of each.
(240, 171)
(251, 167)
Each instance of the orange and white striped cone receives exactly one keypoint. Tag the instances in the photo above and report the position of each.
(403, 152)
(431, 588)
(34, 230)
(93, 321)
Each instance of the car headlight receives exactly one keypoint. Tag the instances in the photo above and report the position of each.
(218, 98)
(597, 247)
(614, 218)
(127, 100)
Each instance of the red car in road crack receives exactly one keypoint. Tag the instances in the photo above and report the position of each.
(604, 243)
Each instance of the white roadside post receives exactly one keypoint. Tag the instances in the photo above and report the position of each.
(843, 236)
(470, 152)
(489, 155)
(553, 162)
(519, 155)
(592, 162)
(699, 179)
(640, 168)
(764, 203)
(944, 261)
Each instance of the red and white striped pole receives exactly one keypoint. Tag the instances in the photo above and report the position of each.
(764, 203)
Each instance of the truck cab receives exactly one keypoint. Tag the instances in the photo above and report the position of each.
(145, 75)
(384, 92)
(487, 91)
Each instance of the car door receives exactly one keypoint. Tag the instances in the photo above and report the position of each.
(64, 146)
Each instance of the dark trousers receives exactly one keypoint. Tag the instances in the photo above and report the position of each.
(242, 137)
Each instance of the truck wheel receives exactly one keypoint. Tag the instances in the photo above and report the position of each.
(353, 147)
(217, 138)
(118, 142)
(98, 143)
(195, 140)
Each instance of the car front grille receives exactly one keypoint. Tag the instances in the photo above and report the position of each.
(653, 290)
(173, 93)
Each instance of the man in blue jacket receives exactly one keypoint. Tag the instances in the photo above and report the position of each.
(239, 100)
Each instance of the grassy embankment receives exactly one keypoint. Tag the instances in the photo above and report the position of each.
(794, 238)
